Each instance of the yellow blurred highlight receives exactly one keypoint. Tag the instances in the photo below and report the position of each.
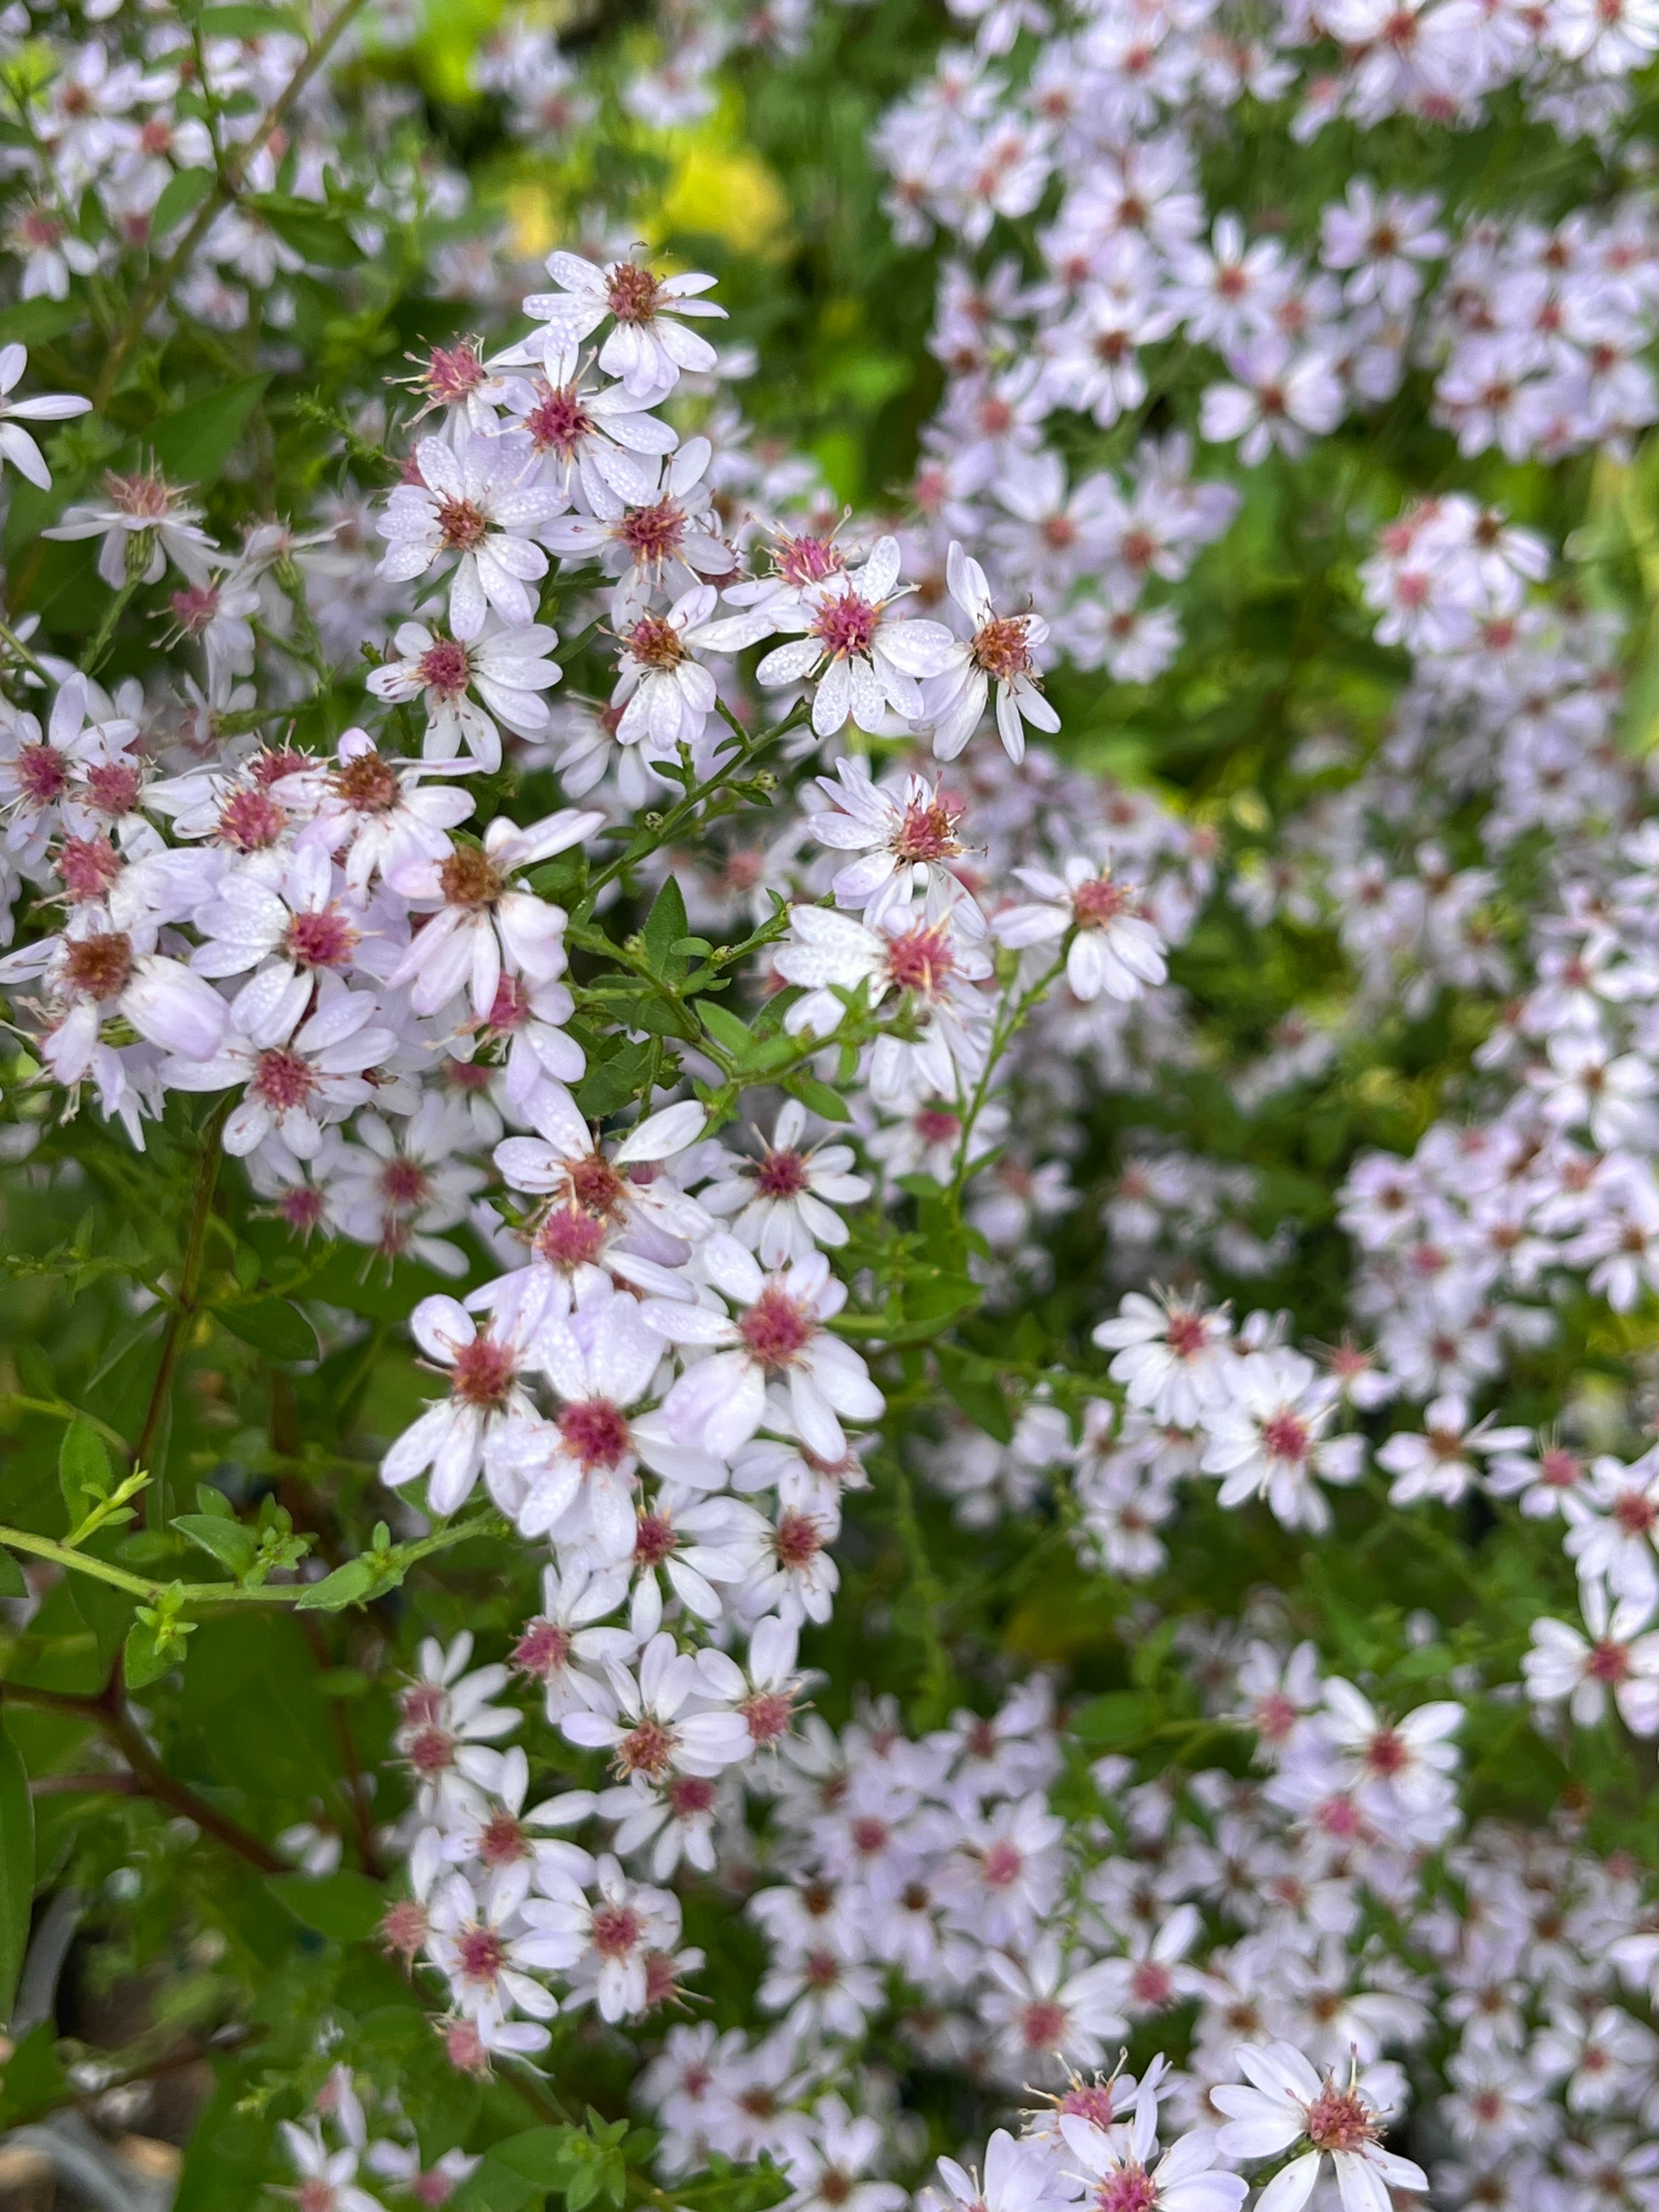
(730, 193)
(530, 211)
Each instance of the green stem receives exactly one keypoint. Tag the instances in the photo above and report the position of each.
(184, 1305)
(226, 187)
(9, 638)
(1008, 1025)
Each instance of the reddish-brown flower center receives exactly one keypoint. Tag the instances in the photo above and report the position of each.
(463, 525)
(595, 1433)
(654, 642)
(782, 1174)
(777, 1328)
(1609, 1663)
(480, 1954)
(366, 783)
(252, 821)
(570, 1238)
(653, 534)
(112, 786)
(1129, 2189)
(1002, 647)
(767, 1714)
(483, 1374)
(543, 1648)
(632, 293)
(98, 966)
(691, 1796)
(502, 1840)
(927, 831)
(647, 1748)
(470, 878)
(283, 1078)
(446, 666)
(324, 940)
(41, 771)
(1340, 2119)
(1284, 1436)
(1043, 2024)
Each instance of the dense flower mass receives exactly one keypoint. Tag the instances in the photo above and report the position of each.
(855, 1152)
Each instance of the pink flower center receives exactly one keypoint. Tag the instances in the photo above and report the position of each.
(502, 1841)
(1100, 901)
(1043, 2024)
(767, 1714)
(655, 1539)
(1340, 2119)
(1634, 1514)
(937, 1125)
(284, 1080)
(1609, 1663)
(570, 1238)
(595, 1433)
(404, 1185)
(403, 1926)
(1001, 647)
(302, 1209)
(315, 2196)
(777, 1328)
(252, 821)
(483, 1374)
(845, 624)
(452, 372)
(782, 1174)
(797, 1541)
(446, 666)
(195, 608)
(1185, 1333)
(1130, 2189)
(1388, 1753)
(41, 772)
(691, 1796)
(542, 1649)
(145, 497)
(432, 1750)
(653, 534)
(480, 1954)
(1151, 1984)
(1089, 2100)
(1002, 1864)
(112, 788)
(88, 866)
(806, 560)
(921, 959)
(927, 832)
(1285, 1437)
(1558, 1470)
(559, 421)
(325, 939)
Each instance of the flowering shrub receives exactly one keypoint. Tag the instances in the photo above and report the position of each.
(831, 1128)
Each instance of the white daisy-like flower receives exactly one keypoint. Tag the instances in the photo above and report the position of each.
(1001, 651)
(486, 1397)
(16, 445)
(476, 505)
(507, 668)
(868, 660)
(648, 345)
(1288, 2103)
(1114, 950)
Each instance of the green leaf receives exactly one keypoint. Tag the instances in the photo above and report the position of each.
(345, 1905)
(731, 1035)
(614, 1081)
(17, 1869)
(725, 2187)
(665, 925)
(12, 1583)
(149, 1653)
(1120, 1716)
(83, 1469)
(193, 443)
(311, 231)
(540, 2155)
(228, 1542)
(272, 1326)
(250, 22)
(344, 1587)
(181, 196)
(37, 322)
(933, 1297)
(829, 1104)
(972, 1385)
